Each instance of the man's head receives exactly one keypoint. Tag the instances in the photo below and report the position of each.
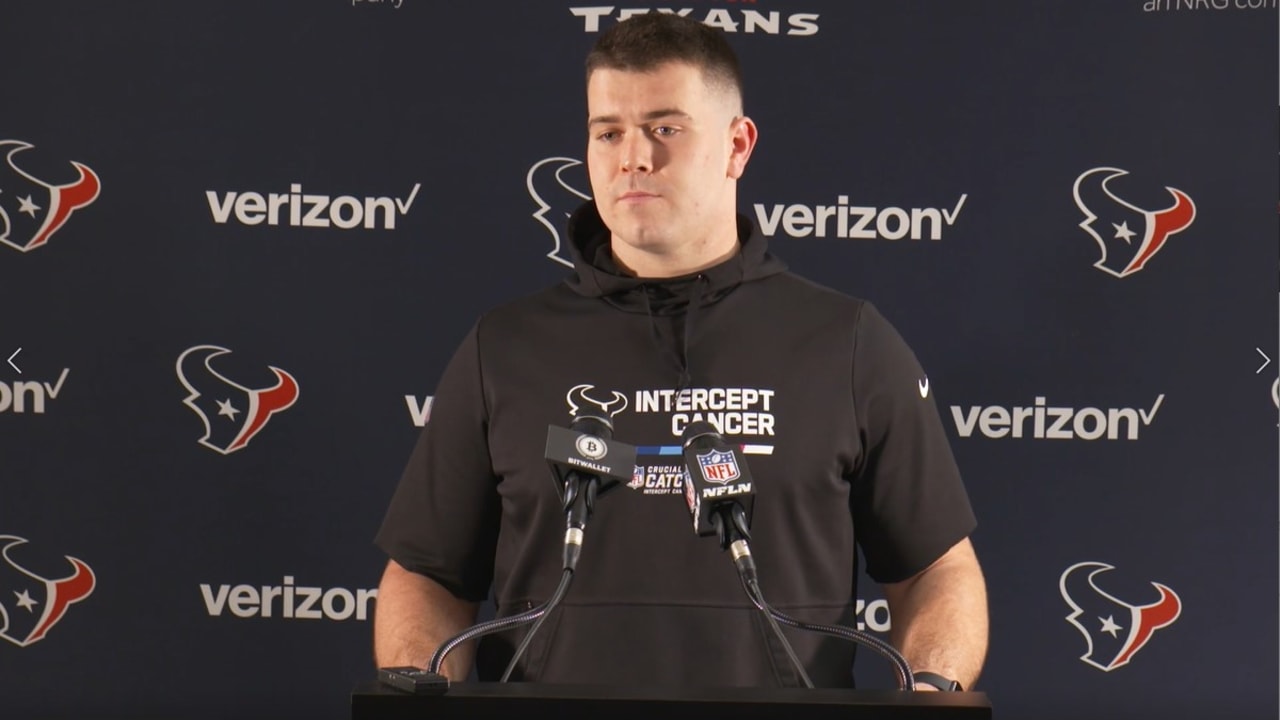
(667, 141)
(644, 42)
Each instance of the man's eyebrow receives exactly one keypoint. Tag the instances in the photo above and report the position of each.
(651, 115)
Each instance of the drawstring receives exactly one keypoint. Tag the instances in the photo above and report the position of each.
(679, 356)
(692, 306)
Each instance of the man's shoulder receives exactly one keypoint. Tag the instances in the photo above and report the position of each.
(530, 308)
(532, 301)
(792, 287)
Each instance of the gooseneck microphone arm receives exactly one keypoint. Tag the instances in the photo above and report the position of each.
(579, 500)
(496, 625)
(725, 510)
(903, 670)
(579, 503)
(577, 459)
(730, 522)
(731, 527)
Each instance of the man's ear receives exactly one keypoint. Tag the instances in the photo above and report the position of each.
(742, 139)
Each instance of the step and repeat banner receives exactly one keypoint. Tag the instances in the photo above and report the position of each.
(240, 240)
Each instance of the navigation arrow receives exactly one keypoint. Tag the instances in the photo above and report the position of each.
(11, 357)
(1265, 360)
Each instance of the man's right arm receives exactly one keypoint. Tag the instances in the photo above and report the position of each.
(440, 531)
(413, 616)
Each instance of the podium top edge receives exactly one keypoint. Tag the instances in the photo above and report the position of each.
(642, 693)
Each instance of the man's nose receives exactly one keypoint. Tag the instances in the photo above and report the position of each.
(637, 153)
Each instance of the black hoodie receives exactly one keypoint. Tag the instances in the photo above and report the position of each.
(829, 404)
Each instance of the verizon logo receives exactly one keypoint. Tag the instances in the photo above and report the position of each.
(873, 615)
(857, 222)
(1045, 422)
(288, 601)
(298, 209)
(419, 409)
(29, 395)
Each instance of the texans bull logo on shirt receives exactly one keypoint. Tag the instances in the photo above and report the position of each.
(232, 413)
(578, 400)
(32, 210)
(29, 604)
(1114, 630)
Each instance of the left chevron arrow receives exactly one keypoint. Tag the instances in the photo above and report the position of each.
(11, 357)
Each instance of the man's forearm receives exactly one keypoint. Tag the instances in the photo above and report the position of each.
(413, 616)
(939, 618)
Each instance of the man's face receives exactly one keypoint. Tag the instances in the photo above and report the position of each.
(661, 155)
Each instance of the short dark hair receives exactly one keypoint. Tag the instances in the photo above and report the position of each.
(643, 42)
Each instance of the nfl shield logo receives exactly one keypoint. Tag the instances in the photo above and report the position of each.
(718, 467)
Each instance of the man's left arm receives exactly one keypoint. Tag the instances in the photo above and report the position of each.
(939, 617)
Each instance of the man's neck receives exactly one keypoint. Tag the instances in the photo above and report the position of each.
(686, 261)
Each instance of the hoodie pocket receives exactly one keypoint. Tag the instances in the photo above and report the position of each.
(668, 645)
(682, 645)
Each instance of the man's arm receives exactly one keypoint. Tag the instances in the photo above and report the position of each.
(939, 617)
(413, 616)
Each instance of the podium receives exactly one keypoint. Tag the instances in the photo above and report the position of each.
(375, 701)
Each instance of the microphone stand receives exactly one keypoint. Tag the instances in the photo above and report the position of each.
(730, 523)
(579, 502)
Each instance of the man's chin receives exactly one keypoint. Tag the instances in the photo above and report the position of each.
(645, 238)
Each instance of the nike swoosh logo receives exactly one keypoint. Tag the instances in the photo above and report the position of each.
(924, 387)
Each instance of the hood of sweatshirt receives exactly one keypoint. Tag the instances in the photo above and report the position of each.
(597, 275)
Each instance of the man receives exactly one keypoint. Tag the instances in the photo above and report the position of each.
(677, 312)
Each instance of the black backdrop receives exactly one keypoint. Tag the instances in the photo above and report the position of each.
(421, 157)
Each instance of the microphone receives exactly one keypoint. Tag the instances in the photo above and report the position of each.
(720, 493)
(585, 462)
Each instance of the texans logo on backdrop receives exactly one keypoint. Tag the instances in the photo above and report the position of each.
(557, 197)
(32, 210)
(718, 467)
(31, 605)
(1114, 630)
(232, 413)
(1127, 236)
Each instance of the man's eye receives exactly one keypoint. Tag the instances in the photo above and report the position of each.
(664, 130)
(608, 136)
